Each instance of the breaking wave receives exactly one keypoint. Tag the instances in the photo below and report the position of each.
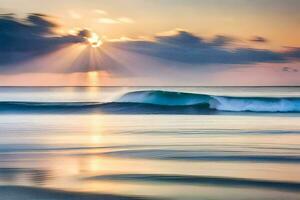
(220, 103)
(162, 102)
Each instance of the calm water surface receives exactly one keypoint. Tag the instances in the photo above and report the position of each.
(235, 155)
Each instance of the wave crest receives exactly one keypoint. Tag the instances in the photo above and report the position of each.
(165, 98)
(162, 102)
(220, 103)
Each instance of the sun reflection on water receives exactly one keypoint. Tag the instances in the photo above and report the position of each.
(93, 78)
(96, 128)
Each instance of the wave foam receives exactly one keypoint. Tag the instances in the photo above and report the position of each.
(162, 102)
(221, 103)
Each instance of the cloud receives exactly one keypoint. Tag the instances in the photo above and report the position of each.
(183, 46)
(222, 40)
(34, 45)
(107, 21)
(258, 39)
(124, 20)
(100, 12)
(36, 37)
(293, 52)
(289, 69)
(180, 38)
(85, 33)
(22, 39)
(74, 15)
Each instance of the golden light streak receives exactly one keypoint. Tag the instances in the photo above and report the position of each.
(97, 78)
(96, 127)
(93, 78)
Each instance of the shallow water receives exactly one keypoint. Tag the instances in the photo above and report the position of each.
(165, 155)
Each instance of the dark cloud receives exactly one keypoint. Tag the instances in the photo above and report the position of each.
(42, 23)
(222, 40)
(188, 48)
(181, 38)
(85, 33)
(289, 69)
(23, 39)
(259, 39)
(188, 39)
(293, 52)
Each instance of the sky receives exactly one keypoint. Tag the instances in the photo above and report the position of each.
(150, 42)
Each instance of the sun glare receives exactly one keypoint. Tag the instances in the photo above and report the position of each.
(94, 40)
(93, 78)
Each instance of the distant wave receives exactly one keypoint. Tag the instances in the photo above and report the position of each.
(202, 180)
(93, 107)
(162, 102)
(208, 155)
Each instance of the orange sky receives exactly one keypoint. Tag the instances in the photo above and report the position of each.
(275, 20)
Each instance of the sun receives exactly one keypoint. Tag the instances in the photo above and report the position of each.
(94, 40)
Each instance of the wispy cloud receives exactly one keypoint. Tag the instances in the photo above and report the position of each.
(74, 15)
(126, 20)
(100, 12)
(121, 20)
(107, 21)
(33, 45)
(259, 39)
(35, 36)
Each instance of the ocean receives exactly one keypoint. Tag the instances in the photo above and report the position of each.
(181, 143)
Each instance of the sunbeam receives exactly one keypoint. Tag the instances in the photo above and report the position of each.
(90, 57)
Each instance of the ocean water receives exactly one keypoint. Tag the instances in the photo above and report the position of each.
(182, 143)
